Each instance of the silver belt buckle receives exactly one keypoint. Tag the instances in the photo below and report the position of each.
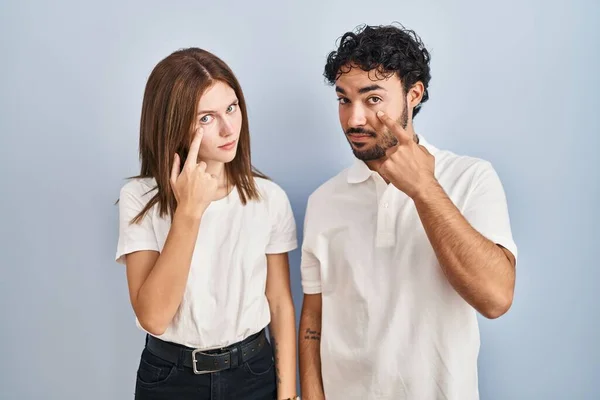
(194, 361)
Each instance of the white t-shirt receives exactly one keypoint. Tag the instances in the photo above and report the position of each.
(392, 325)
(224, 300)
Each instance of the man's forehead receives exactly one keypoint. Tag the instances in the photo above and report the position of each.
(355, 79)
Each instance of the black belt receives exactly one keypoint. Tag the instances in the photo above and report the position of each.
(205, 362)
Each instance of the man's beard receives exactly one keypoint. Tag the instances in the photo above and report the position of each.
(385, 140)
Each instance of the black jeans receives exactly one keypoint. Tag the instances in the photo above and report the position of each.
(158, 379)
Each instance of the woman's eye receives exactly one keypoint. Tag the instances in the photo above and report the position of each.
(231, 108)
(206, 119)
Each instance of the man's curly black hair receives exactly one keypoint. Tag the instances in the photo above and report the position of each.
(385, 49)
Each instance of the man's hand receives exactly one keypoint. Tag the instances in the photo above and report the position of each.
(409, 166)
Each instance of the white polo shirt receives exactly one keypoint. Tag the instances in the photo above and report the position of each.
(224, 300)
(392, 325)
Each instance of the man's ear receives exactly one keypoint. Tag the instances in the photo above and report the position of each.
(415, 94)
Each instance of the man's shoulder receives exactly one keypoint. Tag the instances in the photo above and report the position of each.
(329, 188)
(454, 166)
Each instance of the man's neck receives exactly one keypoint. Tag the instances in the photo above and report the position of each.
(374, 165)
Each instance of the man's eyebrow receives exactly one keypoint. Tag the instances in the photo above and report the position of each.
(370, 89)
(362, 90)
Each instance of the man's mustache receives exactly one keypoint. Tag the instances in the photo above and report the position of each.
(360, 131)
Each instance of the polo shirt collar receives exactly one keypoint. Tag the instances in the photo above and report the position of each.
(360, 172)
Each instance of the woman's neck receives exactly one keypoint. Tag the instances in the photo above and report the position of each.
(217, 169)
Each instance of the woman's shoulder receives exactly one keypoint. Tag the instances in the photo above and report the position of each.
(269, 189)
(139, 187)
(272, 195)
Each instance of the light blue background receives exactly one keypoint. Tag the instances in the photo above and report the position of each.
(513, 82)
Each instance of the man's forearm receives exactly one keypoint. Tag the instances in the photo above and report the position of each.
(478, 269)
(283, 339)
(309, 347)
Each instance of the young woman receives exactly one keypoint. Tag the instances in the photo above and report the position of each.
(205, 239)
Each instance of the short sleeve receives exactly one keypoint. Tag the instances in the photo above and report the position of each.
(310, 267)
(283, 225)
(486, 208)
(134, 236)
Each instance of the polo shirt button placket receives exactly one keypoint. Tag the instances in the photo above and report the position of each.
(385, 222)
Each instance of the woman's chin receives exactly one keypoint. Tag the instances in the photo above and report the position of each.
(226, 158)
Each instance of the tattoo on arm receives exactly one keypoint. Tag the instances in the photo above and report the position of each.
(276, 355)
(312, 335)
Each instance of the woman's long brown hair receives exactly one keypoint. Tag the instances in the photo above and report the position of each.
(172, 93)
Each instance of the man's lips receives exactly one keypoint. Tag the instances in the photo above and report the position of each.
(360, 137)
